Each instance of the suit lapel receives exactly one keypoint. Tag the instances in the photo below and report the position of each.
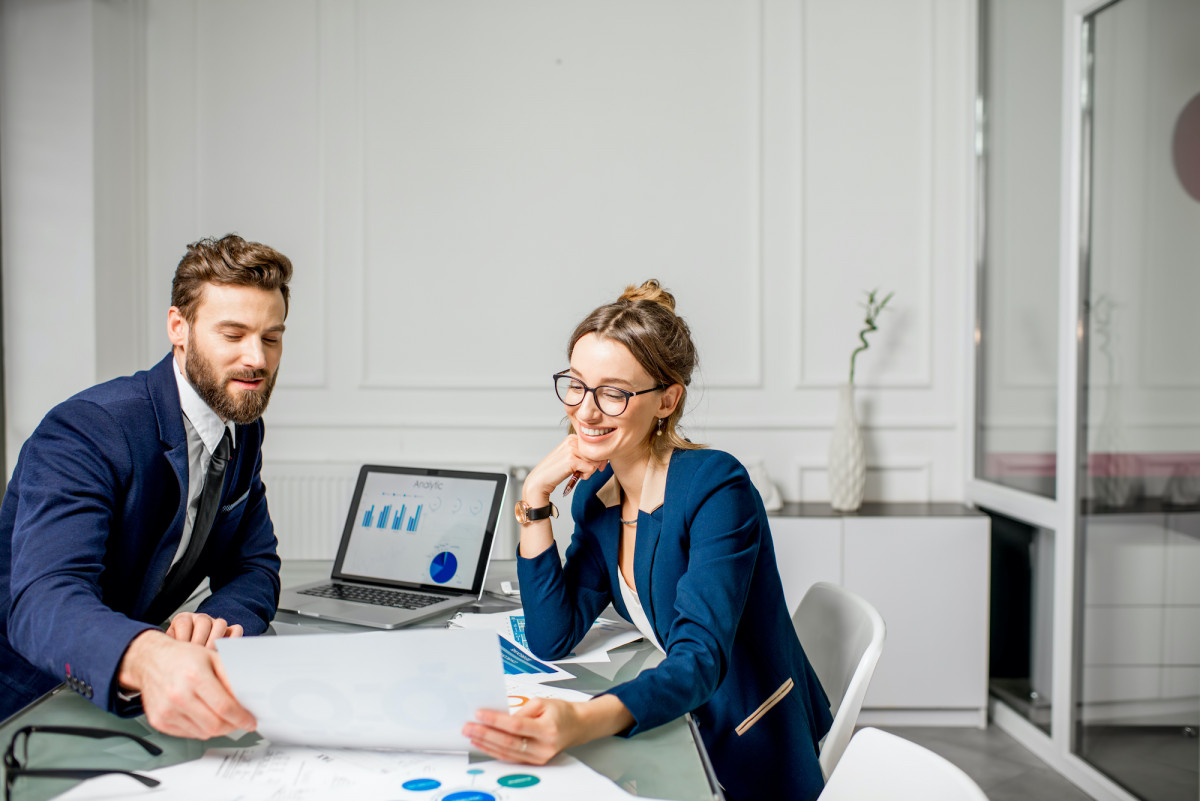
(164, 397)
(649, 527)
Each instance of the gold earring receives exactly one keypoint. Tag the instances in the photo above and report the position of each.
(661, 423)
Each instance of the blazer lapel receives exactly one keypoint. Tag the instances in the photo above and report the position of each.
(649, 527)
(164, 397)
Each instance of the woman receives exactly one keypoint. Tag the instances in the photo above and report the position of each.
(676, 538)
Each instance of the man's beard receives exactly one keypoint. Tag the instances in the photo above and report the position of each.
(241, 406)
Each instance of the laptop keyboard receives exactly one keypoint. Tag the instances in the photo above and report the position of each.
(374, 596)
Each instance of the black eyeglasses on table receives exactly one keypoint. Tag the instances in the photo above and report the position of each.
(611, 400)
(14, 768)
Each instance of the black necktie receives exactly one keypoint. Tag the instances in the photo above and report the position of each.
(181, 578)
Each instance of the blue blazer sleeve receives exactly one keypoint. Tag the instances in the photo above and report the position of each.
(73, 470)
(715, 515)
(561, 602)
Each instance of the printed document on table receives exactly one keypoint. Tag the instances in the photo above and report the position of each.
(520, 692)
(519, 661)
(297, 773)
(604, 635)
(400, 690)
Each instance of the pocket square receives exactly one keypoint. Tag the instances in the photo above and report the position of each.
(230, 506)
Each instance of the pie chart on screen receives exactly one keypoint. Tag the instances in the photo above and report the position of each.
(443, 567)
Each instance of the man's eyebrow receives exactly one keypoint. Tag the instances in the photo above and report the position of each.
(234, 324)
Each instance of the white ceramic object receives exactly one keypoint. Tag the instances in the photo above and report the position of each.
(847, 456)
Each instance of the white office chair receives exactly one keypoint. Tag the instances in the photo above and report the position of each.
(842, 635)
(878, 766)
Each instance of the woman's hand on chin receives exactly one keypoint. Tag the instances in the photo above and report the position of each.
(554, 469)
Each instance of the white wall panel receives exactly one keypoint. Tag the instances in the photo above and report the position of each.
(48, 207)
(524, 166)
(172, 135)
(868, 195)
(911, 481)
(245, 77)
(459, 183)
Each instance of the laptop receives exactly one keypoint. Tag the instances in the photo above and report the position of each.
(417, 542)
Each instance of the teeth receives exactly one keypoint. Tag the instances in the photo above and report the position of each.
(596, 432)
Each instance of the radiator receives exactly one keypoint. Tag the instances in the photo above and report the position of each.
(308, 506)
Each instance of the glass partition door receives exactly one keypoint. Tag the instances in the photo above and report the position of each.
(1017, 334)
(1138, 684)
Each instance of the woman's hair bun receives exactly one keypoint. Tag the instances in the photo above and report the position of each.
(649, 290)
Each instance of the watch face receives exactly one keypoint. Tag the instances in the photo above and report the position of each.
(521, 512)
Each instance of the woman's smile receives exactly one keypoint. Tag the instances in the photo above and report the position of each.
(595, 433)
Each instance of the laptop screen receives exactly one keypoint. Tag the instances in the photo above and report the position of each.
(421, 526)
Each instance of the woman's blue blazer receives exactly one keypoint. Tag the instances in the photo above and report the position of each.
(705, 572)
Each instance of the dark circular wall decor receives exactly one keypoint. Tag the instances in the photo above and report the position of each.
(1186, 148)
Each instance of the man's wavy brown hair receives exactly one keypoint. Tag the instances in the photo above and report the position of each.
(230, 261)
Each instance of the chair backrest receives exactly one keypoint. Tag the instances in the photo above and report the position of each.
(842, 635)
(879, 766)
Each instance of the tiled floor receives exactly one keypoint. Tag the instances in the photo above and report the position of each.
(1001, 766)
(1155, 762)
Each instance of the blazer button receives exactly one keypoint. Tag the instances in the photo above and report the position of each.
(88, 694)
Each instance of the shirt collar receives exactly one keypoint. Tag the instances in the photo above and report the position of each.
(654, 486)
(207, 423)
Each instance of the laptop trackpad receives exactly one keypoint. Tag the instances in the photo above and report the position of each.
(378, 616)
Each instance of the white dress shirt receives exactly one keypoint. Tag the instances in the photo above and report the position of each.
(204, 431)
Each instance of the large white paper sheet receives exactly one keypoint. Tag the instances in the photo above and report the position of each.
(403, 690)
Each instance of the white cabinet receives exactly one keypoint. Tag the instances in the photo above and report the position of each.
(1141, 655)
(925, 567)
(808, 550)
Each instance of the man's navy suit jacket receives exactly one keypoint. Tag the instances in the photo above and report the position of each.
(89, 526)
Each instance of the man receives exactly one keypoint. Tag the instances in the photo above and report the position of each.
(132, 492)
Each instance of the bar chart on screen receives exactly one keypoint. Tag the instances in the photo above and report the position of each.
(400, 520)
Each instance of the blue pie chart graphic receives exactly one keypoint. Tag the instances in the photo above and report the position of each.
(443, 567)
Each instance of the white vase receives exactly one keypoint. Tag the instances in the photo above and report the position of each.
(847, 456)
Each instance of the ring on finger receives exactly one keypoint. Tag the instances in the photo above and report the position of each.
(524, 744)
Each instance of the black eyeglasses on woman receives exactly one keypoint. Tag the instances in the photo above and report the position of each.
(613, 401)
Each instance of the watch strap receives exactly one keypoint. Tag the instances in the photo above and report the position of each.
(541, 513)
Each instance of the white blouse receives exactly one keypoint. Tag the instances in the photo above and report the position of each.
(636, 613)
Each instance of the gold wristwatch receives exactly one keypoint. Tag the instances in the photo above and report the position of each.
(526, 514)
